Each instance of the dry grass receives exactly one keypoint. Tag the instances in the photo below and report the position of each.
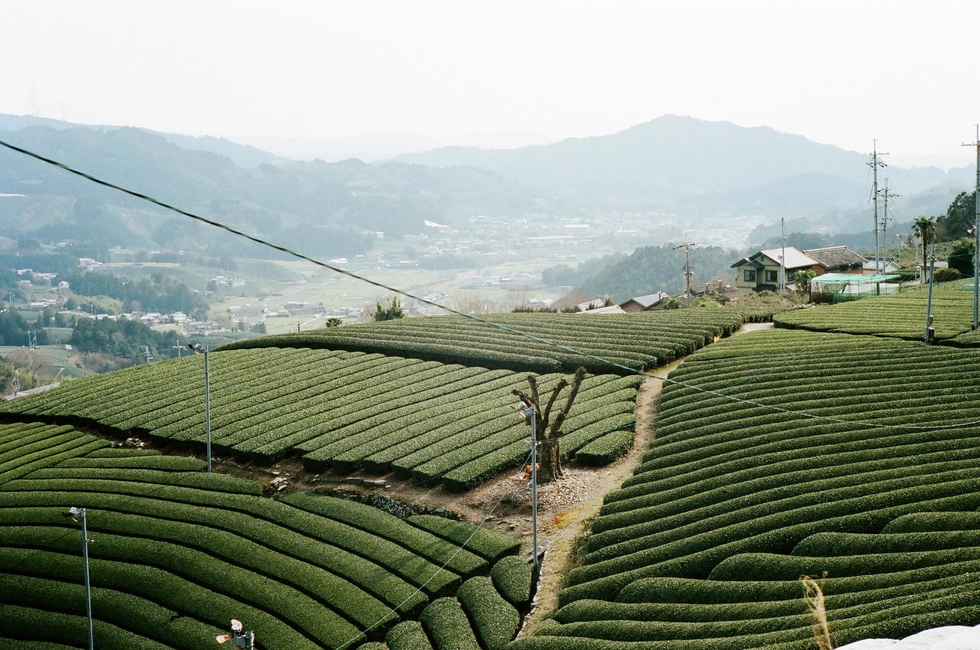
(813, 595)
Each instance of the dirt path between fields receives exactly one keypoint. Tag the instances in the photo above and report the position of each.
(566, 509)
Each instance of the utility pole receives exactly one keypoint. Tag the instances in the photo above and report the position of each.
(782, 257)
(885, 194)
(687, 266)
(875, 164)
(197, 347)
(930, 332)
(976, 234)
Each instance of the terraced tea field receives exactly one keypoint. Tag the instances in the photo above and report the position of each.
(340, 403)
(176, 553)
(781, 454)
(628, 342)
(778, 454)
(901, 315)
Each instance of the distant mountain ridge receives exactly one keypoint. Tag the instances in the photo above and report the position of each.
(328, 208)
(687, 165)
(243, 155)
(676, 165)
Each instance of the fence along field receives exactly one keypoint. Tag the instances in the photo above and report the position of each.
(443, 415)
(176, 553)
(705, 544)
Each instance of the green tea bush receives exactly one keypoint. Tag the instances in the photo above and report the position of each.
(606, 449)
(58, 628)
(495, 620)
(475, 472)
(192, 600)
(139, 616)
(511, 576)
(432, 551)
(312, 616)
(488, 544)
(447, 626)
(836, 544)
(408, 635)
(925, 522)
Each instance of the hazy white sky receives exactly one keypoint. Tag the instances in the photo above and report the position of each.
(842, 72)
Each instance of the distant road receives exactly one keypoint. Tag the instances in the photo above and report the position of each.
(33, 391)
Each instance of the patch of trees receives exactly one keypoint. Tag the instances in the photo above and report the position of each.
(62, 260)
(14, 329)
(957, 226)
(122, 338)
(9, 371)
(958, 220)
(657, 268)
(391, 312)
(160, 293)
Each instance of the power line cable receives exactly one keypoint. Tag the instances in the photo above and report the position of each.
(499, 326)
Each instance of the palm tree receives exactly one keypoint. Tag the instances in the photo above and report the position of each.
(925, 229)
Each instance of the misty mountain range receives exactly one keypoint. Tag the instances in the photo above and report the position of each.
(674, 165)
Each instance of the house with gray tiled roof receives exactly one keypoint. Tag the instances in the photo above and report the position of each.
(760, 272)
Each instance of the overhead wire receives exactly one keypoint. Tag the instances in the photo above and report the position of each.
(473, 317)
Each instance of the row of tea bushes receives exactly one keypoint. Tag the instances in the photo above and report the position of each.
(542, 343)
(901, 315)
(338, 410)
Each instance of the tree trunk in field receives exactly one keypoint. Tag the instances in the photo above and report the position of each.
(549, 460)
(548, 432)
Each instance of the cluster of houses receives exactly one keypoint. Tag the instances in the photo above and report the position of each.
(835, 269)
(835, 266)
(761, 271)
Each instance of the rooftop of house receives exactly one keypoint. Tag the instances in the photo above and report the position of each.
(832, 257)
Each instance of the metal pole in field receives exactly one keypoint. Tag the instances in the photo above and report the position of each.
(78, 514)
(207, 406)
(196, 347)
(534, 486)
(976, 240)
(932, 272)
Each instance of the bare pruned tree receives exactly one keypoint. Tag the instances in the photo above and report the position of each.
(548, 432)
